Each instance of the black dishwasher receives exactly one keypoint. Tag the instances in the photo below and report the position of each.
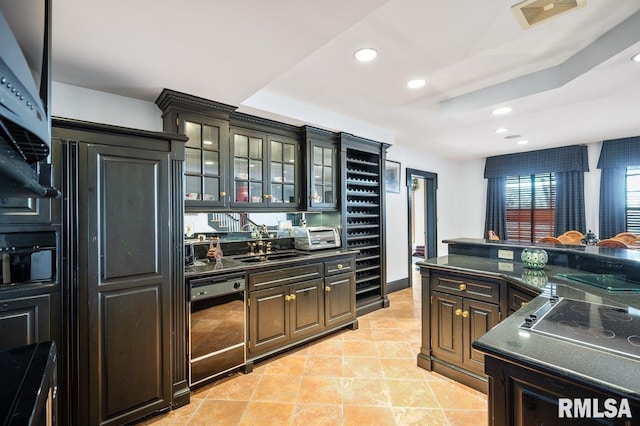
(216, 326)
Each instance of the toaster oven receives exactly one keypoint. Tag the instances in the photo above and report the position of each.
(317, 238)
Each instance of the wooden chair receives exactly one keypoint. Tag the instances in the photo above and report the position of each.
(571, 239)
(550, 240)
(626, 237)
(493, 236)
(574, 235)
(612, 242)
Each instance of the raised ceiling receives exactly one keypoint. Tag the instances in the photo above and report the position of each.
(569, 79)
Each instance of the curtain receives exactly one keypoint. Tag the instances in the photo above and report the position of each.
(612, 201)
(496, 216)
(569, 211)
(615, 156)
(570, 161)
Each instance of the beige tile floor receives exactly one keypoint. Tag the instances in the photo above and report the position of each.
(363, 377)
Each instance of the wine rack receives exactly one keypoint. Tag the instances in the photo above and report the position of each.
(363, 205)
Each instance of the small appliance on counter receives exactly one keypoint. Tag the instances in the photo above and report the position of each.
(316, 238)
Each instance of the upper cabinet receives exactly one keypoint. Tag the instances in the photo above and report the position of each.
(322, 171)
(234, 160)
(206, 160)
(265, 170)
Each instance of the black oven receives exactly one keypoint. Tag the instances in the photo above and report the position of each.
(216, 326)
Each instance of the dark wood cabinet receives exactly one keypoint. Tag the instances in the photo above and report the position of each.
(297, 303)
(323, 170)
(265, 170)
(206, 165)
(124, 265)
(527, 396)
(363, 216)
(340, 299)
(284, 314)
(517, 298)
(24, 321)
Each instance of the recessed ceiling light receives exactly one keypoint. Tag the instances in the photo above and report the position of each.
(502, 130)
(501, 111)
(523, 142)
(636, 57)
(366, 54)
(416, 84)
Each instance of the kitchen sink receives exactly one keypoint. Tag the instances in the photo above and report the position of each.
(256, 258)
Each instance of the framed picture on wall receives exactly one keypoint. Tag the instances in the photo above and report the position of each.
(392, 176)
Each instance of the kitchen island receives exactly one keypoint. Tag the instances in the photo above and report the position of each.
(529, 364)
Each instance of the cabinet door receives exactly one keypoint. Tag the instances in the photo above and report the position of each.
(306, 304)
(206, 160)
(478, 318)
(24, 321)
(124, 282)
(248, 162)
(284, 163)
(446, 327)
(268, 319)
(340, 299)
(323, 175)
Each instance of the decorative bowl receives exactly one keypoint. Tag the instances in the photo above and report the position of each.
(534, 258)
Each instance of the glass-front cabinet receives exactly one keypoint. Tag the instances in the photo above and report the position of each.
(206, 158)
(322, 170)
(265, 169)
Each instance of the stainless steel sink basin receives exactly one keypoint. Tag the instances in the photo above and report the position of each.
(256, 258)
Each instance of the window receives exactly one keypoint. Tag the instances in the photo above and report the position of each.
(531, 204)
(632, 202)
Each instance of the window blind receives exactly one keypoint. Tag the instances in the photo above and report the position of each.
(632, 210)
(530, 204)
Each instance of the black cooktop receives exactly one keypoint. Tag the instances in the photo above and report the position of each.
(602, 326)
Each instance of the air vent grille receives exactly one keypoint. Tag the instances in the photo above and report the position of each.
(533, 12)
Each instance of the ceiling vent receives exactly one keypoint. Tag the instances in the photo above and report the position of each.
(534, 12)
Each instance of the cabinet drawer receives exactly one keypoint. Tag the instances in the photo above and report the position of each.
(467, 286)
(517, 299)
(284, 276)
(339, 266)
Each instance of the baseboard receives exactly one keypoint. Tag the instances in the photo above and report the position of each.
(397, 285)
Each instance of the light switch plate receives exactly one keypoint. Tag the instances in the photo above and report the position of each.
(505, 254)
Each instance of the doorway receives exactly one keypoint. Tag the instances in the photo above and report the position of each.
(421, 195)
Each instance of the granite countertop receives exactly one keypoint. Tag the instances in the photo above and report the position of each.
(575, 361)
(232, 264)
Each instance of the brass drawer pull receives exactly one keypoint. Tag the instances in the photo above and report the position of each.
(223, 194)
(523, 304)
(462, 287)
(287, 298)
(465, 314)
(292, 297)
(327, 289)
(340, 266)
(458, 312)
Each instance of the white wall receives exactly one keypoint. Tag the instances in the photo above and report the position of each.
(461, 194)
(91, 105)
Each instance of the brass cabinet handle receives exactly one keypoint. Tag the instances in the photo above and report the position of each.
(267, 196)
(292, 297)
(458, 312)
(465, 314)
(340, 266)
(223, 194)
(523, 304)
(287, 298)
(327, 289)
(462, 287)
